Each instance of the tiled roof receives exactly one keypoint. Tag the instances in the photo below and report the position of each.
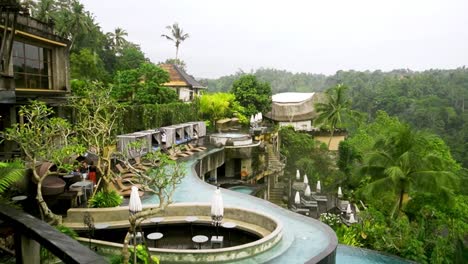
(179, 78)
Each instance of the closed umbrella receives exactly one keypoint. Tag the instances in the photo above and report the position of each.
(319, 187)
(297, 198)
(260, 116)
(307, 191)
(298, 175)
(306, 181)
(217, 208)
(134, 206)
(348, 209)
(352, 220)
(340, 193)
(252, 120)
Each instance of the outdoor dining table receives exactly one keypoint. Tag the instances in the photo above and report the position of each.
(229, 226)
(85, 185)
(155, 237)
(199, 240)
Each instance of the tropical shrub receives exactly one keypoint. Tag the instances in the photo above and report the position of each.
(103, 199)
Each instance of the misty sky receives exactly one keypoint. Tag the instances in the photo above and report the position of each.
(295, 35)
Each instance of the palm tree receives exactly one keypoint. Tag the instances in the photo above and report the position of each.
(117, 38)
(44, 10)
(177, 36)
(401, 163)
(335, 110)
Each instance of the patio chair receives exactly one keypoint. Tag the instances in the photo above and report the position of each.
(124, 172)
(139, 164)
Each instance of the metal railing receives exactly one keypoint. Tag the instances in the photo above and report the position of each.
(30, 233)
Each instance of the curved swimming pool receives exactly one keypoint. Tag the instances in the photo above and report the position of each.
(305, 240)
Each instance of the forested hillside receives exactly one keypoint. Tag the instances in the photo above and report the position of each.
(433, 100)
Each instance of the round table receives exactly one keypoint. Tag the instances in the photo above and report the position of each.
(19, 198)
(200, 239)
(191, 219)
(156, 220)
(155, 237)
(101, 226)
(229, 226)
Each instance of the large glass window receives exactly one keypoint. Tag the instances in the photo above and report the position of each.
(31, 66)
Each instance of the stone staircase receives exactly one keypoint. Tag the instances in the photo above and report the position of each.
(276, 166)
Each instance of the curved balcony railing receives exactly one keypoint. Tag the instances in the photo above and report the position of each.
(30, 233)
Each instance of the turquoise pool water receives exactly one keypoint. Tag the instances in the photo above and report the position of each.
(303, 238)
(351, 255)
(243, 189)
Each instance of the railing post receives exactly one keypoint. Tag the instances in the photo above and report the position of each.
(27, 251)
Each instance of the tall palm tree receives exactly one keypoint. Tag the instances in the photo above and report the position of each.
(44, 10)
(177, 36)
(401, 163)
(117, 38)
(336, 108)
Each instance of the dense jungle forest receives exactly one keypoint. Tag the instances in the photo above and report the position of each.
(432, 100)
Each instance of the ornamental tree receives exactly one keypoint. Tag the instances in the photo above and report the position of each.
(47, 141)
(252, 94)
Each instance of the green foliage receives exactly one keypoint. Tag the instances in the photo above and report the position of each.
(103, 199)
(143, 85)
(67, 231)
(220, 105)
(332, 220)
(178, 62)
(335, 112)
(150, 116)
(86, 65)
(253, 95)
(130, 57)
(10, 173)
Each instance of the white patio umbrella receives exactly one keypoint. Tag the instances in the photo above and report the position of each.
(260, 116)
(319, 188)
(252, 119)
(134, 206)
(217, 208)
(352, 220)
(340, 193)
(348, 209)
(298, 175)
(306, 180)
(307, 191)
(297, 198)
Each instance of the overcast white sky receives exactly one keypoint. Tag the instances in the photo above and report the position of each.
(296, 35)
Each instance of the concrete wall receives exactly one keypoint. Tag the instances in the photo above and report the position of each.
(267, 227)
(334, 142)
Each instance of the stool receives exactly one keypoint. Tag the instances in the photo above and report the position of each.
(217, 240)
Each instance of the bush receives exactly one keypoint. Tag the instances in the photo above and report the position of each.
(103, 199)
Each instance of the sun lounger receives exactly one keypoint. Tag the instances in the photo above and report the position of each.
(199, 148)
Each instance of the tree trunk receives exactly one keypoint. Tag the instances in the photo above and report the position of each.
(48, 215)
(332, 132)
(400, 203)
